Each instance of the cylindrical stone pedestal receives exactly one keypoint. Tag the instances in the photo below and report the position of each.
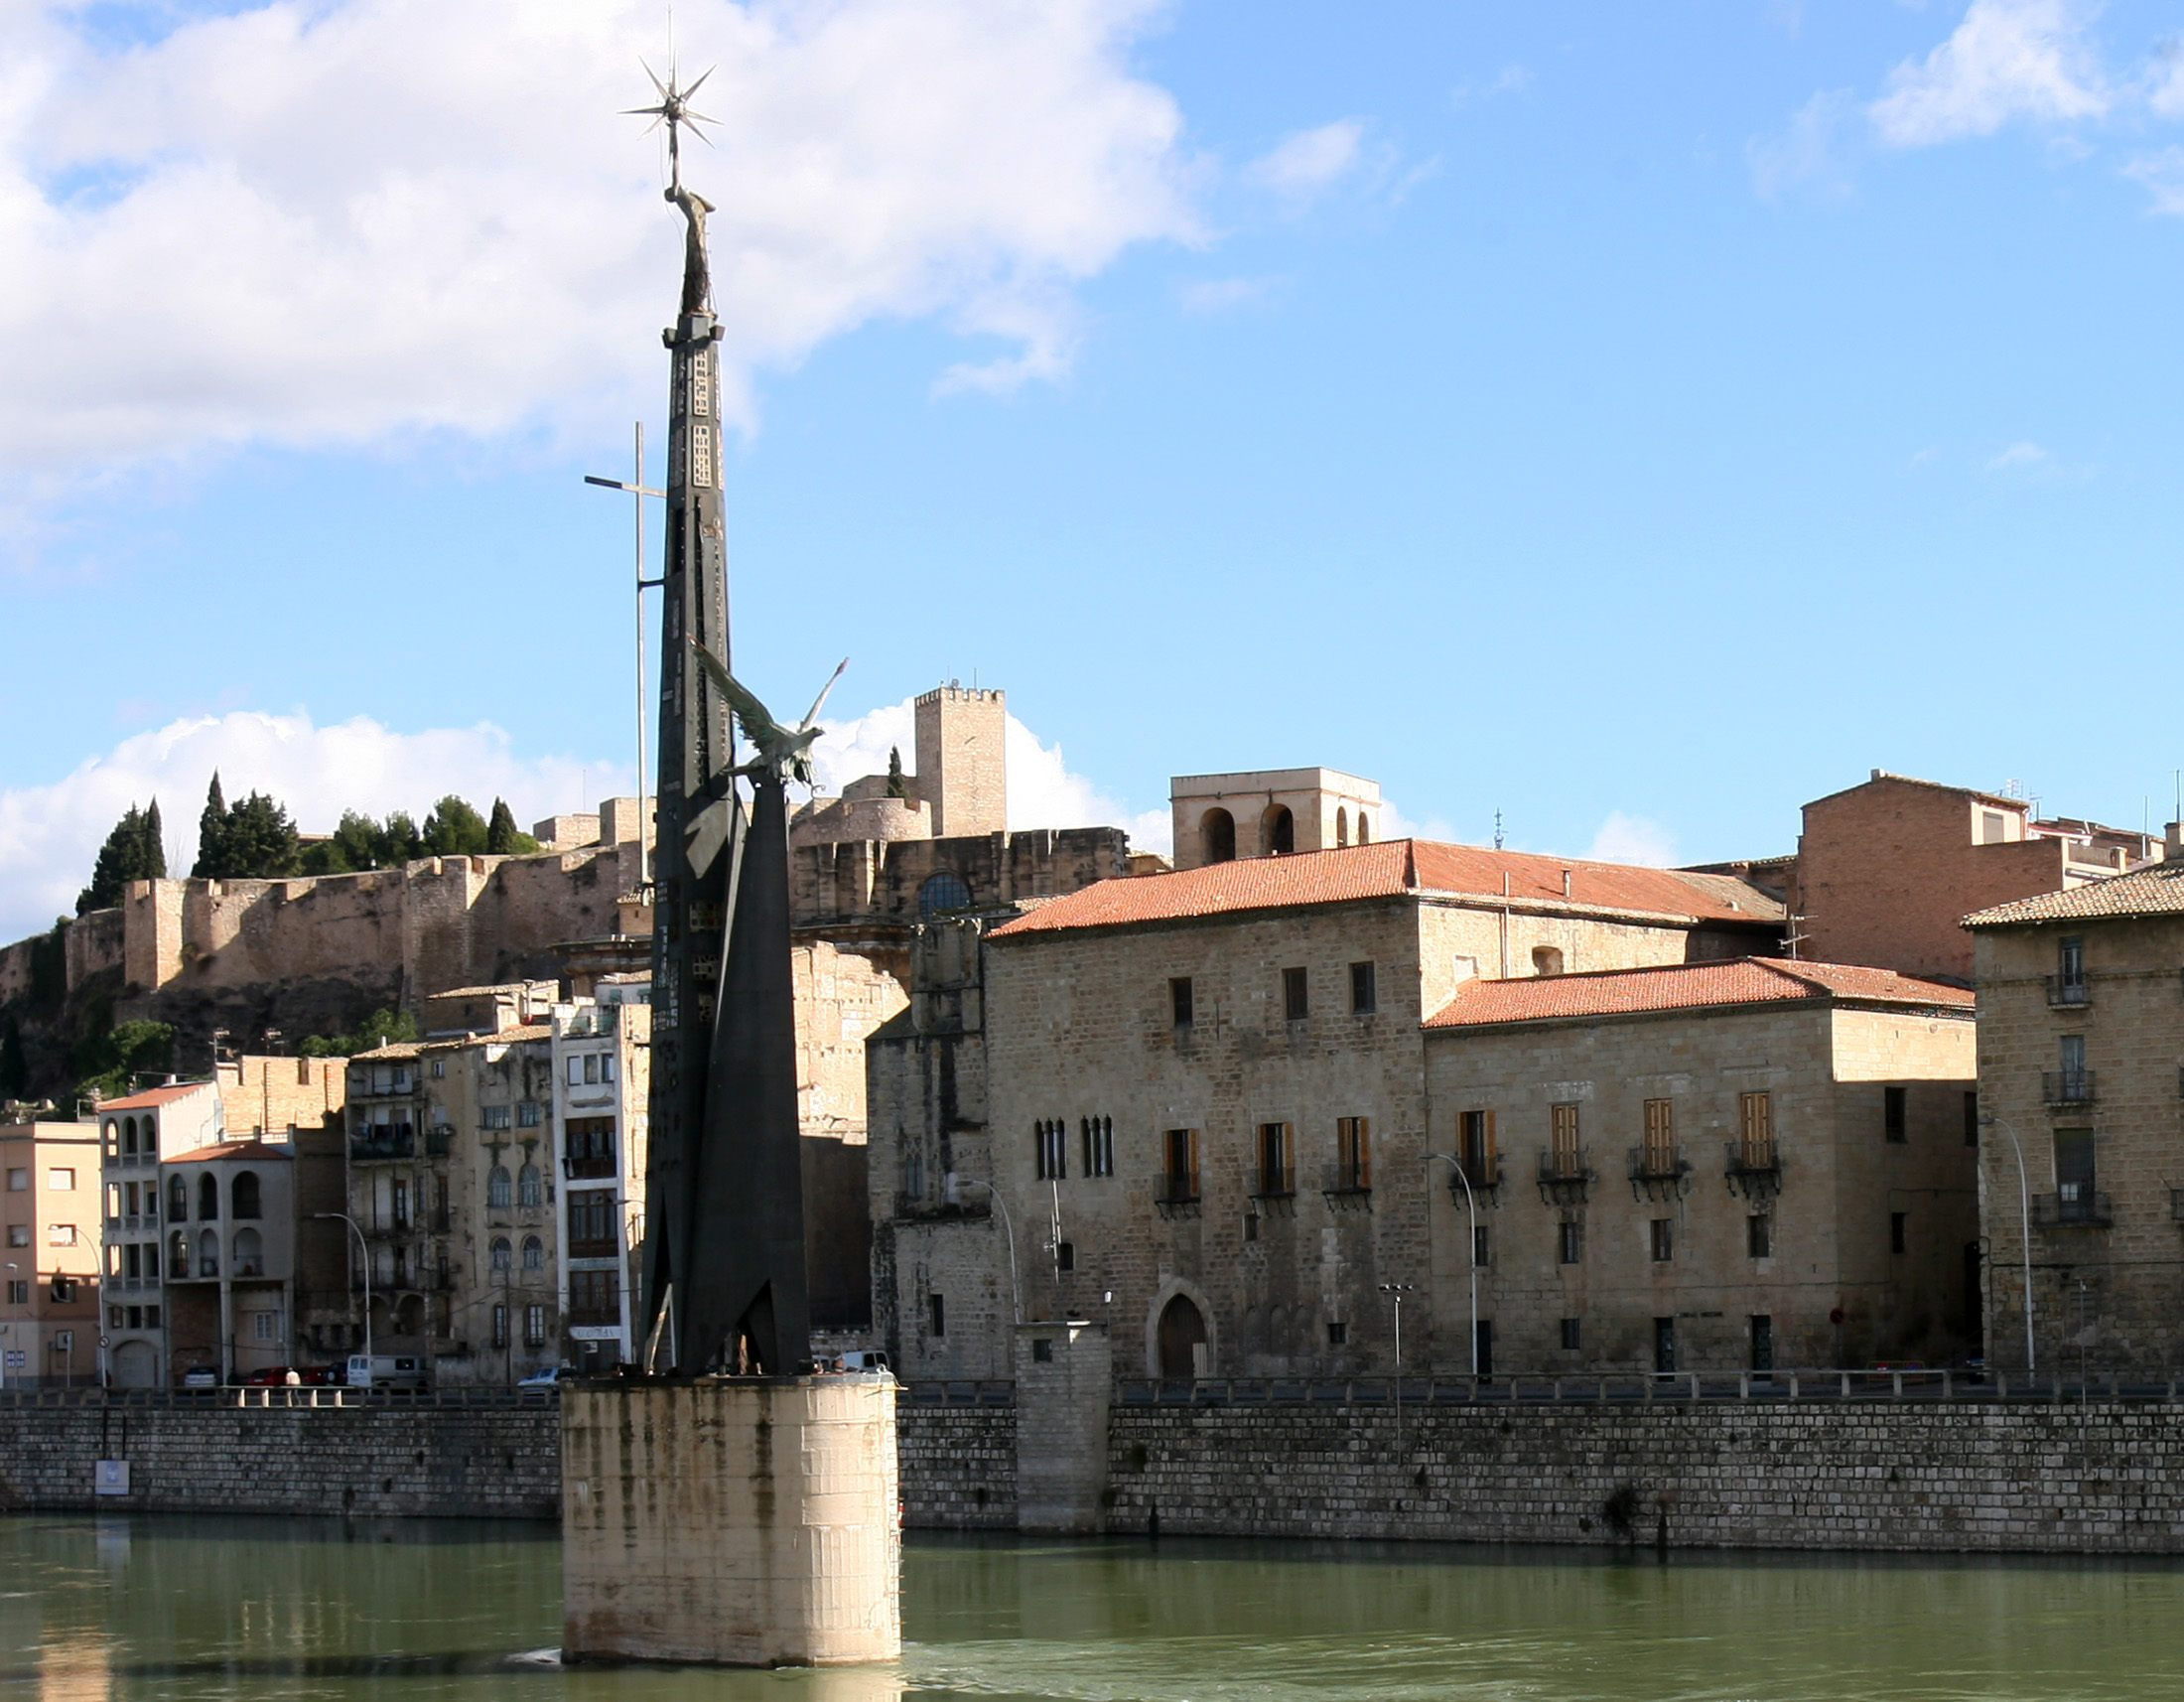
(733, 1521)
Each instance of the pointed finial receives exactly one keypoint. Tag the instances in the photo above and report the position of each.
(674, 110)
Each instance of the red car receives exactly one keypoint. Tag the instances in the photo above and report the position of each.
(276, 1377)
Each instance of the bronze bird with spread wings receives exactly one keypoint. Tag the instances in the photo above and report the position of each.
(782, 751)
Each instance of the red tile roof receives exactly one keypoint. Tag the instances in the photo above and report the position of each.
(231, 1149)
(1398, 868)
(153, 1097)
(2154, 890)
(1686, 986)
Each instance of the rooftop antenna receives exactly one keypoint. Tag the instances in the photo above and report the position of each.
(1497, 830)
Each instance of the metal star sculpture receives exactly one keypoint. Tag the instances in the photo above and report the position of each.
(674, 110)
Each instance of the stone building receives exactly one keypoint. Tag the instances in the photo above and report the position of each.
(135, 1132)
(300, 1105)
(2082, 1087)
(49, 1293)
(1754, 1164)
(1125, 1070)
(602, 1069)
(230, 1211)
(1270, 812)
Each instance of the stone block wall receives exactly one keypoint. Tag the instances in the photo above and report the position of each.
(957, 1467)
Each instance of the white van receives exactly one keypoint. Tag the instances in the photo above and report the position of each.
(384, 1371)
(864, 1359)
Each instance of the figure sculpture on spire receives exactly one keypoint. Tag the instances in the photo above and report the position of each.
(674, 110)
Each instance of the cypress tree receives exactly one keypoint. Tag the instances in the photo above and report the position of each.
(152, 861)
(212, 858)
(500, 831)
(131, 853)
(897, 787)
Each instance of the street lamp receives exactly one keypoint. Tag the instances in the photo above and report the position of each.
(364, 1259)
(2025, 1211)
(1471, 1247)
(1398, 1290)
(637, 487)
(5, 1329)
(1008, 1234)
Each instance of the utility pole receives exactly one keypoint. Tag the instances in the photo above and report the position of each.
(639, 491)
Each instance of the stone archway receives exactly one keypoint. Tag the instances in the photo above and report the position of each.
(1176, 1335)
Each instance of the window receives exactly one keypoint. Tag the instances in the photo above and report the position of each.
(1971, 1119)
(1099, 1146)
(1296, 995)
(1179, 1172)
(1342, 827)
(209, 1253)
(1566, 1156)
(1179, 1007)
(503, 1255)
(1482, 1250)
(2074, 1168)
(1659, 1152)
(1755, 1128)
(1338, 1333)
(590, 1150)
(19, 1293)
(1251, 1225)
(18, 1234)
(534, 1326)
(60, 1234)
(114, 1316)
(438, 1067)
(2074, 1084)
(1663, 1239)
(943, 892)
(1216, 838)
(590, 1222)
(2070, 971)
(1043, 1349)
(495, 1116)
(265, 1325)
(209, 1198)
(499, 1188)
(1895, 1123)
(1896, 1232)
(535, 1253)
(1546, 960)
(1364, 989)
(151, 1317)
(1759, 1236)
(500, 1326)
(178, 1199)
(17, 1181)
(595, 1297)
(1763, 1342)
(243, 1194)
(1475, 1146)
(1052, 1149)
(1277, 1175)
(60, 1181)
(1993, 827)
(529, 1189)
(936, 1315)
(64, 1289)
(1570, 1242)
(1353, 1154)
(1278, 831)
(1065, 1255)
(527, 1113)
(1570, 1335)
(63, 1341)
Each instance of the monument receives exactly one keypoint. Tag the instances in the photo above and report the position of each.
(725, 1504)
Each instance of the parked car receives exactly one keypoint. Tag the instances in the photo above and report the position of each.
(863, 1359)
(276, 1377)
(202, 1377)
(547, 1377)
(385, 1371)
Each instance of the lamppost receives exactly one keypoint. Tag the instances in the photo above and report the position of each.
(2024, 1213)
(364, 1259)
(7, 1330)
(1008, 1234)
(1397, 1290)
(1471, 1247)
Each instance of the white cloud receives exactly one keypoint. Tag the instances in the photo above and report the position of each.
(2161, 173)
(1044, 791)
(2007, 60)
(1301, 166)
(333, 222)
(1512, 79)
(1633, 839)
(1219, 295)
(2017, 455)
(50, 835)
(1810, 153)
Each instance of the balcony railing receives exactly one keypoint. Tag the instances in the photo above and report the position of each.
(593, 1315)
(2067, 991)
(1656, 1166)
(1753, 1168)
(2079, 1208)
(1176, 1195)
(438, 1137)
(2067, 1087)
(1482, 1171)
(605, 1248)
(1345, 1179)
(590, 1166)
(384, 1144)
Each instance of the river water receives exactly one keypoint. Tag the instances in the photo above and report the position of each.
(98, 1610)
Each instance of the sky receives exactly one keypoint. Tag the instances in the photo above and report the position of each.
(1626, 421)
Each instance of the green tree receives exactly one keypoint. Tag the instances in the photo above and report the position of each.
(398, 840)
(375, 1029)
(259, 841)
(454, 830)
(132, 852)
(503, 837)
(108, 1061)
(897, 787)
(212, 863)
(15, 1069)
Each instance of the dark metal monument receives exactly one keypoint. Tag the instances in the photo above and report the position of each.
(724, 1278)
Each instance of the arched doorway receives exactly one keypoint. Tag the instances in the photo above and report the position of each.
(1182, 1334)
(1276, 831)
(1217, 837)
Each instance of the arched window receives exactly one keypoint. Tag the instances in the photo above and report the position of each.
(243, 1194)
(128, 1135)
(1364, 829)
(502, 1253)
(1341, 825)
(528, 1189)
(1546, 960)
(943, 892)
(209, 1198)
(209, 1253)
(178, 1252)
(1276, 831)
(178, 1199)
(500, 1190)
(249, 1253)
(1217, 837)
(535, 1253)
(151, 1259)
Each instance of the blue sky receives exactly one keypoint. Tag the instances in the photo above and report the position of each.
(1631, 417)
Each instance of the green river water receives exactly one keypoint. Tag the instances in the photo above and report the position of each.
(93, 1610)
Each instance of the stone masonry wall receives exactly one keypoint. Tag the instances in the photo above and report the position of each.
(957, 1467)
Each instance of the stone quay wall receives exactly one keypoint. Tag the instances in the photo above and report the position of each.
(1959, 1477)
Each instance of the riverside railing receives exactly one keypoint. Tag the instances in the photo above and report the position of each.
(277, 1398)
(1649, 1389)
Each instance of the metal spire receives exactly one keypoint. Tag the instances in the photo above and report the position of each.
(674, 110)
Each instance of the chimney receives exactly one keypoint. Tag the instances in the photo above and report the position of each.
(1566, 883)
(2172, 845)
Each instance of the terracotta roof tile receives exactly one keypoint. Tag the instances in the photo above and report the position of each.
(2156, 891)
(1686, 986)
(391, 1050)
(231, 1149)
(154, 1097)
(1398, 868)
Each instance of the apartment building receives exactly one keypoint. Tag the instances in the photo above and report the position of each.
(601, 1072)
(49, 1237)
(135, 1133)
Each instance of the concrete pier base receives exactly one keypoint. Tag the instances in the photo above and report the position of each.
(731, 1521)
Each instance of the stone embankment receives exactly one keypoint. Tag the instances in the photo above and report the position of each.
(2106, 1477)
